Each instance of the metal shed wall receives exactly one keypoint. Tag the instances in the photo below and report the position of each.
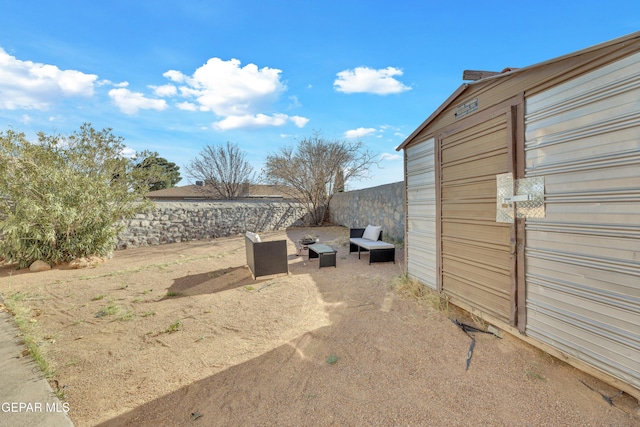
(583, 259)
(421, 213)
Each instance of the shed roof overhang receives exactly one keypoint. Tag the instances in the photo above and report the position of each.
(510, 72)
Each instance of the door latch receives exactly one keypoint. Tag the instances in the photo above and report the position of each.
(520, 198)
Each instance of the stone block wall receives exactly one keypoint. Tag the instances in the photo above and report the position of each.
(172, 222)
(382, 205)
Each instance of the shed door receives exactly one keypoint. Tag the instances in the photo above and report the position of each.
(476, 263)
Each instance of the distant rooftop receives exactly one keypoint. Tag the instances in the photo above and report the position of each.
(207, 192)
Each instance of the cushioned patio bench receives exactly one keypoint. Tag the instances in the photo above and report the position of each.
(370, 240)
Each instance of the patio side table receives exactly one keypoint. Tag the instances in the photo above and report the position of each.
(326, 255)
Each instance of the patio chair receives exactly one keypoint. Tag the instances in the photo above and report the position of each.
(265, 258)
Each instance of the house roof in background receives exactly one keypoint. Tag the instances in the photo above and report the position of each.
(207, 192)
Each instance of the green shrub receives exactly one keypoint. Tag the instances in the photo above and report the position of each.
(63, 197)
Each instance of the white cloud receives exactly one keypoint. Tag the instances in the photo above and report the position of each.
(295, 102)
(299, 121)
(164, 90)
(128, 152)
(187, 106)
(360, 132)
(251, 121)
(368, 80)
(389, 156)
(131, 102)
(105, 82)
(239, 95)
(31, 85)
(175, 76)
(230, 90)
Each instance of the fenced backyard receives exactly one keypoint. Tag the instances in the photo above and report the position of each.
(180, 334)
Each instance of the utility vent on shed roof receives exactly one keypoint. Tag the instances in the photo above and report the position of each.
(478, 75)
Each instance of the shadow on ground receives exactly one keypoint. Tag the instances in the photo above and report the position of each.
(210, 282)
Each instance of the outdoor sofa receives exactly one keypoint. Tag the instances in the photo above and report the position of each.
(265, 258)
(369, 239)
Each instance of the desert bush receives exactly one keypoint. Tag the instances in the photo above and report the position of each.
(62, 197)
(411, 288)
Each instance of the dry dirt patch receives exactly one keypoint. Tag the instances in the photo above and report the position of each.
(182, 335)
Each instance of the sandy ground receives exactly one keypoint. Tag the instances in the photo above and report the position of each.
(182, 335)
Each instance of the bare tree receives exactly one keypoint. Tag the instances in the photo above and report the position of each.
(223, 169)
(317, 169)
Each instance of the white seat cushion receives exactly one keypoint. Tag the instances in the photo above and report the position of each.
(372, 232)
(370, 244)
(253, 237)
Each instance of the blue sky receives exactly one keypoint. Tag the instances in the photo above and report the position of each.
(174, 76)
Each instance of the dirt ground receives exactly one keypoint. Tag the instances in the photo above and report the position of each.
(181, 334)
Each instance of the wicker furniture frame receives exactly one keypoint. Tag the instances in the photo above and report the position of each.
(265, 258)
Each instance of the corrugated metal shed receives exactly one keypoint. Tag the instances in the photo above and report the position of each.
(570, 281)
(583, 259)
